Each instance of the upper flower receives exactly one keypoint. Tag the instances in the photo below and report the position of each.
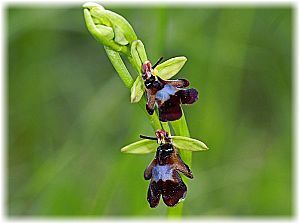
(166, 94)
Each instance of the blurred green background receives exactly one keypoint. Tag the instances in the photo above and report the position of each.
(69, 113)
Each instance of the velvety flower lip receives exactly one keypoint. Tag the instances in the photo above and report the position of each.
(168, 95)
(163, 172)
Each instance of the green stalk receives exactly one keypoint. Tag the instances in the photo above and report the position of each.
(181, 129)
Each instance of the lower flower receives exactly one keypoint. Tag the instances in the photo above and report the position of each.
(163, 172)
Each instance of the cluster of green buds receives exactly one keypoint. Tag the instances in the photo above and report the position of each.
(118, 37)
(109, 28)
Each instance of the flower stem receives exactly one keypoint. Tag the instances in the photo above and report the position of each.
(181, 129)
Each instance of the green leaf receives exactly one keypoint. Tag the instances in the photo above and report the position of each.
(189, 144)
(171, 67)
(137, 90)
(141, 147)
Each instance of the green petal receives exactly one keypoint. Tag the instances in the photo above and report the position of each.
(171, 67)
(189, 144)
(137, 90)
(141, 147)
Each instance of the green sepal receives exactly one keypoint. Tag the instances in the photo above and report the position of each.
(149, 146)
(189, 144)
(141, 147)
(171, 67)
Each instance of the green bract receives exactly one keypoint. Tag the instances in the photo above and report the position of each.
(148, 146)
(189, 144)
(166, 70)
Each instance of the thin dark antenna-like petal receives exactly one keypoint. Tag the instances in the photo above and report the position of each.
(159, 60)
